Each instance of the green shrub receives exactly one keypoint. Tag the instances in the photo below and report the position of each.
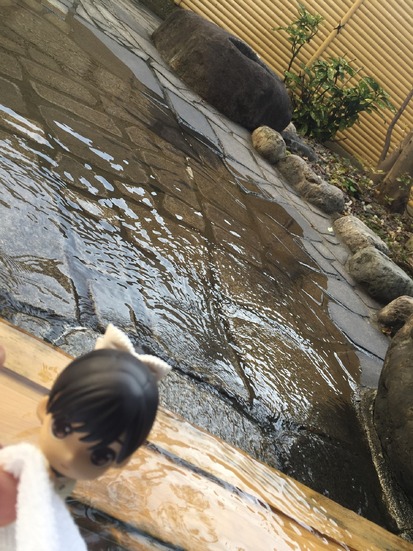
(323, 97)
(301, 31)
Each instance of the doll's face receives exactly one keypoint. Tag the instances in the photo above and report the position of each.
(69, 456)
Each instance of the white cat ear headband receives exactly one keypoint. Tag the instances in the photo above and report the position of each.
(116, 339)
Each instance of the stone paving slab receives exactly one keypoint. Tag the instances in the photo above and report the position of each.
(193, 119)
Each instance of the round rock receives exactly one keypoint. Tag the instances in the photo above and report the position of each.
(383, 279)
(393, 316)
(295, 170)
(393, 409)
(223, 70)
(269, 143)
(328, 198)
(296, 144)
(356, 235)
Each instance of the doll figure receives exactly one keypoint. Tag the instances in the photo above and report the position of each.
(100, 409)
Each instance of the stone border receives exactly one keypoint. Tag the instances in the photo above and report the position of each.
(369, 263)
(397, 503)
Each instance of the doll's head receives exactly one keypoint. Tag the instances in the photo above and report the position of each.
(99, 411)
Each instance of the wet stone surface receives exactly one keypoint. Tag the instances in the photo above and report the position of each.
(126, 199)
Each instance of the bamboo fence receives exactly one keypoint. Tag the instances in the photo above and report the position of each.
(375, 35)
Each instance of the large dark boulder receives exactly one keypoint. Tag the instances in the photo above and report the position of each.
(393, 410)
(223, 70)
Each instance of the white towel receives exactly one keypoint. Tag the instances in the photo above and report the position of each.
(43, 522)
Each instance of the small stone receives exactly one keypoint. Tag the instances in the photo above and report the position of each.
(269, 143)
(393, 316)
(298, 145)
(383, 279)
(290, 130)
(326, 197)
(316, 191)
(356, 235)
(294, 169)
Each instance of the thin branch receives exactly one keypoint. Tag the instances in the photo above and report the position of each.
(392, 125)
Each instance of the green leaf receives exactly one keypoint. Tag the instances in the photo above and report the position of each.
(324, 102)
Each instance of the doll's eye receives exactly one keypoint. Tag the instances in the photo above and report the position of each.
(61, 429)
(102, 457)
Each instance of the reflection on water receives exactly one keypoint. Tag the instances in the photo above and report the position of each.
(111, 213)
(101, 216)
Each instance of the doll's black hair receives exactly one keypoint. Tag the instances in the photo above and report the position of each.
(111, 394)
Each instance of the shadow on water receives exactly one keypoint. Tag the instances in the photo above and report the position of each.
(112, 213)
